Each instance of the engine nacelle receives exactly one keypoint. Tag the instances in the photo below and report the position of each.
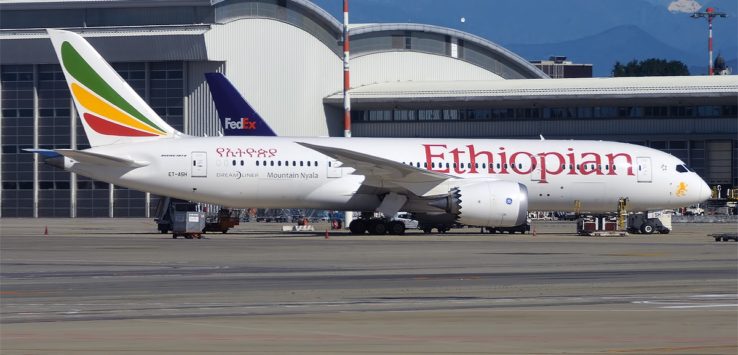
(487, 204)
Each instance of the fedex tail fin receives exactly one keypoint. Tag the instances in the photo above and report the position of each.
(110, 110)
(236, 116)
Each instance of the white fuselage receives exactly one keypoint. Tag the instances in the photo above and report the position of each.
(277, 172)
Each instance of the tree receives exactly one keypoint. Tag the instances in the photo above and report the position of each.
(651, 67)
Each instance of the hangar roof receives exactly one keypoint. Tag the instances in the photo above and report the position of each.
(453, 92)
(21, 17)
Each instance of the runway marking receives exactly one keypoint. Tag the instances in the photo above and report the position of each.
(693, 301)
(680, 348)
(701, 306)
(637, 254)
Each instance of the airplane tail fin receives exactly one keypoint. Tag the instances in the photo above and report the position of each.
(236, 116)
(110, 110)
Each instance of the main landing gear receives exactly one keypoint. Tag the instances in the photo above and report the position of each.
(376, 226)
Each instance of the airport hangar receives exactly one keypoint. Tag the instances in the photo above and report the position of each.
(408, 80)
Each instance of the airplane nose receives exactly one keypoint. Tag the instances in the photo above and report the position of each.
(705, 191)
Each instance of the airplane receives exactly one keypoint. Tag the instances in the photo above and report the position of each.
(480, 182)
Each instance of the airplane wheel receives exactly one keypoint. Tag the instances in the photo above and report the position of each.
(427, 230)
(377, 227)
(397, 228)
(357, 226)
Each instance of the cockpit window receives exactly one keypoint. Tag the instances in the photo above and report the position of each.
(682, 169)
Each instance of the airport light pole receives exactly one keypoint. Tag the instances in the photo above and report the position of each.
(709, 14)
(348, 215)
(346, 73)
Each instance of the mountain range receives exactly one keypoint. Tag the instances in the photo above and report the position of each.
(598, 32)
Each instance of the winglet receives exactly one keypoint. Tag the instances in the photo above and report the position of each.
(87, 157)
(236, 116)
(46, 153)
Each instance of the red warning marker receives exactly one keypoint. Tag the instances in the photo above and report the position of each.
(46, 230)
(534, 231)
(326, 234)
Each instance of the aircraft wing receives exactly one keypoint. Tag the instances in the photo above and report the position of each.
(384, 173)
(100, 159)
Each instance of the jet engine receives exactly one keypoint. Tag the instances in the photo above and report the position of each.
(487, 204)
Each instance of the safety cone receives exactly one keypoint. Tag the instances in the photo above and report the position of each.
(534, 231)
(326, 234)
(46, 230)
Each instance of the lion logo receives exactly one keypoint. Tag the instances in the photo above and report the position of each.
(681, 190)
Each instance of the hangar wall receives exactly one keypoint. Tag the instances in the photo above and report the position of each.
(412, 66)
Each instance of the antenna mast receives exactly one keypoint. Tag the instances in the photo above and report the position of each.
(709, 14)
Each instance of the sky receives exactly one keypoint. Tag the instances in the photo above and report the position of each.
(535, 29)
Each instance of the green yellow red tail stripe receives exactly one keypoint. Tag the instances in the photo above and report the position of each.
(113, 115)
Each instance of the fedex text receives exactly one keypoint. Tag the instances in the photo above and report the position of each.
(241, 123)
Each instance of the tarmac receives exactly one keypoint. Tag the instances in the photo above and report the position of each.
(117, 286)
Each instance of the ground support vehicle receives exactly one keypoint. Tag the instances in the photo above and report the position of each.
(724, 237)
(188, 224)
(183, 218)
(600, 226)
(649, 222)
(224, 220)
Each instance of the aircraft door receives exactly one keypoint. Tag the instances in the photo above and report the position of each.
(199, 164)
(644, 169)
(334, 169)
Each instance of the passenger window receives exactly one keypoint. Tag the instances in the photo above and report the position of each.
(241, 162)
(308, 163)
(271, 163)
(234, 163)
(301, 163)
(316, 164)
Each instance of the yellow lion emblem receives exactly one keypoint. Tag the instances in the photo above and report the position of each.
(681, 190)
